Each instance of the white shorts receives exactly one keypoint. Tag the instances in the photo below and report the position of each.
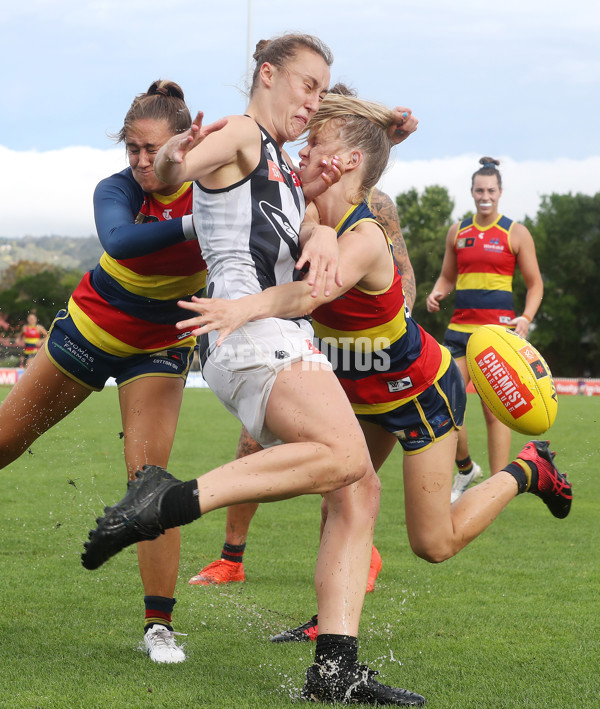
(242, 371)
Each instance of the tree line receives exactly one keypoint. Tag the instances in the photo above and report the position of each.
(566, 231)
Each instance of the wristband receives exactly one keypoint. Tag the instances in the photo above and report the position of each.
(187, 224)
(526, 317)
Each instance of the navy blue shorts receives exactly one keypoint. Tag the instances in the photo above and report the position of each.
(428, 417)
(92, 367)
(456, 342)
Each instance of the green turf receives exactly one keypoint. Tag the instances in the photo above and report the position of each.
(512, 621)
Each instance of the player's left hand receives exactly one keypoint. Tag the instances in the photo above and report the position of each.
(521, 325)
(405, 124)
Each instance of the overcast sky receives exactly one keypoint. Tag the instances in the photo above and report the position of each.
(517, 79)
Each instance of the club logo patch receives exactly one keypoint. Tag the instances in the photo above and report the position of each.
(465, 243)
(399, 384)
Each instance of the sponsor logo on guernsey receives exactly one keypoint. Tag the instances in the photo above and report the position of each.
(505, 382)
(167, 214)
(296, 179)
(399, 384)
(504, 319)
(281, 354)
(275, 172)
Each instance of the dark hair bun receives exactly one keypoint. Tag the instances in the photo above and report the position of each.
(261, 45)
(489, 162)
(162, 87)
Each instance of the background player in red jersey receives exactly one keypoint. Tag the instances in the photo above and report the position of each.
(120, 322)
(32, 335)
(480, 259)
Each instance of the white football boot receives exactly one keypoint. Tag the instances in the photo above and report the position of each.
(462, 482)
(161, 646)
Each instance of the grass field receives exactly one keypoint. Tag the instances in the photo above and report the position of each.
(512, 621)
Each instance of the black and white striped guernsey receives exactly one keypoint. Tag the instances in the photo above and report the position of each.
(249, 230)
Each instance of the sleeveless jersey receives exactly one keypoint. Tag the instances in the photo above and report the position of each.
(249, 230)
(32, 337)
(129, 306)
(486, 264)
(381, 356)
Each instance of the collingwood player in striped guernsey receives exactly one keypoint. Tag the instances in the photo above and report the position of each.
(249, 207)
(403, 386)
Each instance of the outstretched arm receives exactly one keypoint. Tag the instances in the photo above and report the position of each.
(360, 251)
(180, 159)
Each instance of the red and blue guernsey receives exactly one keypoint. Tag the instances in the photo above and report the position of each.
(32, 339)
(128, 304)
(381, 356)
(486, 265)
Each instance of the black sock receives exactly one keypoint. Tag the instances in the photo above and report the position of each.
(520, 474)
(180, 505)
(233, 552)
(465, 465)
(339, 651)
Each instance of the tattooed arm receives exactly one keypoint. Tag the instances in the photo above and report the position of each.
(385, 212)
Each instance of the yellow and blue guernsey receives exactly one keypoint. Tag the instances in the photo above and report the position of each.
(127, 305)
(486, 265)
(381, 356)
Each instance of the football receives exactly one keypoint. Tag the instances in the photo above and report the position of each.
(513, 379)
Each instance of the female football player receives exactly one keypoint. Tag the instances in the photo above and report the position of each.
(404, 387)
(248, 210)
(120, 322)
(480, 258)
(32, 335)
